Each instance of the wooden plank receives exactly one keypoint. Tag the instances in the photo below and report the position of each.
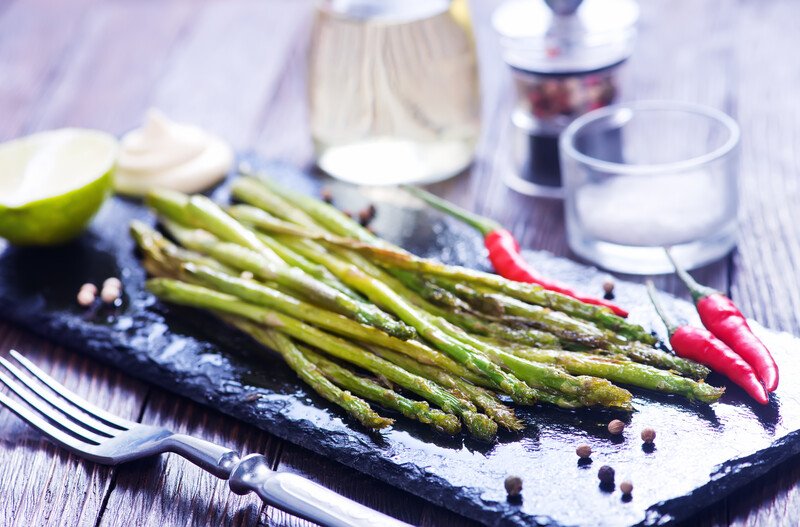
(284, 131)
(35, 37)
(229, 64)
(42, 484)
(172, 491)
(765, 282)
(107, 81)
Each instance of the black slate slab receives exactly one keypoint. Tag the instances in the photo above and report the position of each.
(701, 453)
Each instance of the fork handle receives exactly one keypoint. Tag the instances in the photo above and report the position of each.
(301, 497)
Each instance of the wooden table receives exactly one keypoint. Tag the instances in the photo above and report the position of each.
(237, 67)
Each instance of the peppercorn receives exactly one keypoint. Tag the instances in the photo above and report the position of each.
(347, 213)
(606, 475)
(327, 195)
(113, 283)
(608, 289)
(616, 427)
(513, 486)
(648, 435)
(626, 487)
(584, 451)
(85, 297)
(364, 217)
(372, 211)
(109, 295)
(89, 287)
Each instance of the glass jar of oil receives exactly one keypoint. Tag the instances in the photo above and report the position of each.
(393, 90)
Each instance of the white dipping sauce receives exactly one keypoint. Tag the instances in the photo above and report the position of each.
(166, 154)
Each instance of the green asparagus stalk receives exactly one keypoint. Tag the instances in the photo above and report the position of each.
(395, 258)
(263, 295)
(385, 296)
(530, 293)
(171, 204)
(199, 211)
(310, 268)
(589, 391)
(479, 425)
(251, 191)
(321, 214)
(432, 292)
(557, 325)
(660, 359)
(153, 243)
(482, 326)
(311, 374)
(418, 410)
(583, 333)
(622, 371)
(294, 279)
(576, 331)
(482, 398)
(486, 303)
(360, 386)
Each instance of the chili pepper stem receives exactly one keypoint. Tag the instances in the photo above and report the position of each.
(484, 225)
(659, 307)
(697, 290)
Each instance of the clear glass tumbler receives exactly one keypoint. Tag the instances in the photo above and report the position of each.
(642, 176)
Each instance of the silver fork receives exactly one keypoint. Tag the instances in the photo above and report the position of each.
(94, 434)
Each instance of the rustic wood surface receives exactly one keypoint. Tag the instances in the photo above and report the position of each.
(238, 67)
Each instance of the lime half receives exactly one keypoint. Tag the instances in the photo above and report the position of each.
(52, 183)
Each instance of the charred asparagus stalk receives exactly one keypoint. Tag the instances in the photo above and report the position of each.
(483, 399)
(622, 371)
(394, 258)
(244, 259)
(174, 291)
(307, 371)
(361, 386)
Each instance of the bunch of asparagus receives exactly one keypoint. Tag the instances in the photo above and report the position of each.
(362, 321)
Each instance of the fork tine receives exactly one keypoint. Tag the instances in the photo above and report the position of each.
(63, 406)
(49, 412)
(80, 402)
(63, 439)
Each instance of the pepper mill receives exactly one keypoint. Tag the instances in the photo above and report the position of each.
(565, 58)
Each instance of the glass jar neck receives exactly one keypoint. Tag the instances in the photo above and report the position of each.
(385, 10)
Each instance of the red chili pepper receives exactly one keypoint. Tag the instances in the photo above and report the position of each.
(701, 346)
(722, 318)
(504, 251)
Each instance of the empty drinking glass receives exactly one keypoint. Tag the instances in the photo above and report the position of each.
(642, 176)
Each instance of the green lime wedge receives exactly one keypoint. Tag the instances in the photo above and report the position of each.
(52, 183)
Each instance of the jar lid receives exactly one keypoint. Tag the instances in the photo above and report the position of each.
(566, 36)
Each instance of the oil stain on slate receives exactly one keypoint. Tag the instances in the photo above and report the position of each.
(701, 453)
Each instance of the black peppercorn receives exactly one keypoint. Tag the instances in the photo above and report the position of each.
(513, 486)
(606, 475)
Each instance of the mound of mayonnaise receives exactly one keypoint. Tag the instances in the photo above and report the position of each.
(166, 154)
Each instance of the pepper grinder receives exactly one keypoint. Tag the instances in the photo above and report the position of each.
(565, 58)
